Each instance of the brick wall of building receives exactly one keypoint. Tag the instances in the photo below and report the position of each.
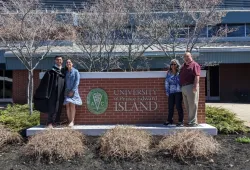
(111, 116)
(20, 84)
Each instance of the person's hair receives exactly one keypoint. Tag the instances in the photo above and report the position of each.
(58, 56)
(178, 66)
(68, 59)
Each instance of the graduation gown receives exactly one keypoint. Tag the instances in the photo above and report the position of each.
(49, 95)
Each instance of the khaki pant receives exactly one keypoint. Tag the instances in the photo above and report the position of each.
(191, 100)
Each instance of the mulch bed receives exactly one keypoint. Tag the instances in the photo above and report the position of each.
(233, 155)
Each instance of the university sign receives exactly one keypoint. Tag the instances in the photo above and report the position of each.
(126, 100)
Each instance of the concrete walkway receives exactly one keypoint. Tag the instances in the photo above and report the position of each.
(241, 110)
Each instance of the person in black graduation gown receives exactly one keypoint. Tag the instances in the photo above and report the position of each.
(49, 95)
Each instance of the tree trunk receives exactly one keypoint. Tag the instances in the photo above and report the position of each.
(130, 58)
(108, 64)
(30, 91)
(28, 88)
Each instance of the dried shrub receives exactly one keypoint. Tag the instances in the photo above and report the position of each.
(125, 142)
(189, 144)
(55, 144)
(8, 137)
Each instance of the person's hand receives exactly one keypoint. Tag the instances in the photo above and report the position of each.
(195, 88)
(71, 94)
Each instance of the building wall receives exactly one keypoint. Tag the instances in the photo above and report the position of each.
(232, 77)
(83, 116)
(20, 84)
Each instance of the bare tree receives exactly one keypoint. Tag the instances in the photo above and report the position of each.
(29, 33)
(190, 19)
(112, 34)
(203, 13)
(97, 35)
(142, 29)
(175, 31)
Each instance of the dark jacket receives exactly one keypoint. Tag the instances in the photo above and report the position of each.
(49, 95)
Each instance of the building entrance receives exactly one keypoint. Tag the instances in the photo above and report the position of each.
(5, 86)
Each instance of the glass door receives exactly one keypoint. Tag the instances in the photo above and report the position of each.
(213, 84)
(2, 84)
(5, 85)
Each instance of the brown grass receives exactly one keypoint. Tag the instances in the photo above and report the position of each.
(189, 144)
(125, 142)
(55, 144)
(8, 137)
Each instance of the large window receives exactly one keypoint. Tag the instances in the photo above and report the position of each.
(203, 32)
(5, 84)
(236, 30)
(216, 31)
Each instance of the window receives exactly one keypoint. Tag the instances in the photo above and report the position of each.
(202, 33)
(248, 30)
(236, 4)
(183, 32)
(236, 30)
(216, 31)
(180, 32)
(5, 84)
(119, 34)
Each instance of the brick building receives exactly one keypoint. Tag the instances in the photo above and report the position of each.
(226, 72)
(226, 62)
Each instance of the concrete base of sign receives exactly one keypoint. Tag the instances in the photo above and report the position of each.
(154, 129)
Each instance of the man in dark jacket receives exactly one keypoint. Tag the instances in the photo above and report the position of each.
(49, 95)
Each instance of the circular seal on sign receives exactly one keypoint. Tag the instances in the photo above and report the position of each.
(97, 101)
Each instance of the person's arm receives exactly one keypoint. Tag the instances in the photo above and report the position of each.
(197, 71)
(167, 86)
(196, 82)
(77, 81)
(178, 83)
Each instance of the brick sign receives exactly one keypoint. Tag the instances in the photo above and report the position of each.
(119, 98)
